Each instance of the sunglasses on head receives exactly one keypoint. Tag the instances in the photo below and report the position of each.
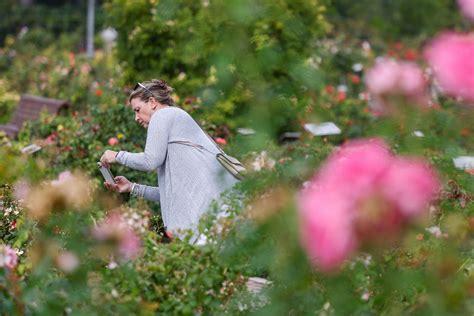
(161, 83)
(139, 84)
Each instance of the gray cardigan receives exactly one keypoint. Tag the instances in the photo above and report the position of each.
(189, 178)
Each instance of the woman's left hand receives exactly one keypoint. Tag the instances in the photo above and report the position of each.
(108, 158)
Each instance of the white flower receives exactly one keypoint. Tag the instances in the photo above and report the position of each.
(435, 231)
(201, 240)
(112, 265)
(114, 293)
(365, 296)
(263, 161)
(7, 211)
(342, 88)
(357, 67)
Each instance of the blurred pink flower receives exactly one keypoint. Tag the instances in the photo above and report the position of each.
(389, 78)
(382, 78)
(221, 141)
(67, 261)
(114, 228)
(326, 236)
(63, 177)
(451, 56)
(21, 189)
(393, 77)
(362, 194)
(467, 8)
(113, 141)
(412, 185)
(51, 139)
(8, 257)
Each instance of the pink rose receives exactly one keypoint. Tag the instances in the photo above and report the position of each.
(221, 141)
(113, 141)
(326, 236)
(393, 77)
(451, 56)
(51, 139)
(411, 184)
(383, 77)
(362, 195)
(63, 177)
(389, 78)
(115, 229)
(467, 8)
(8, 257)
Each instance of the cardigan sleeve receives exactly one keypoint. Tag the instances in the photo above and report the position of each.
(149, 193)
(156, 144)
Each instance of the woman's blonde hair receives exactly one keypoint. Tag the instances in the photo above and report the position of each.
(155, 88)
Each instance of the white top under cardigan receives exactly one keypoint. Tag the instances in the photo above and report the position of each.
(189, 178)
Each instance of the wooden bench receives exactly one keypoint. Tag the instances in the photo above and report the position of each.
(29, 109)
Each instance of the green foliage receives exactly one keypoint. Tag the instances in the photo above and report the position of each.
(239, 57)
(65, 17)
(55, 71)
(383, 20)
(8, 100)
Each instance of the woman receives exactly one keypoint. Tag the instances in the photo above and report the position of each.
(189, 178)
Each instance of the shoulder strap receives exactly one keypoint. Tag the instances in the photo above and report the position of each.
(187, 143)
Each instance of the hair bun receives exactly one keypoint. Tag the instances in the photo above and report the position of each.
(162, 85)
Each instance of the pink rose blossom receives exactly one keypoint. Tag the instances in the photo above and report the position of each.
(411, 184)
(327, 237)
(467, 8)
(411, 80)
(395, 78)
(362, 194)
(451, 56)
(113, 141)
(115, 228)
(51, 139)
(221, 141)
(63, 177)
(21, 189)
(8, 257)
(67, 261)
(354, 168)
(382, 78)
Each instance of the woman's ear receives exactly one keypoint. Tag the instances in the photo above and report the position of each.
(153, 103)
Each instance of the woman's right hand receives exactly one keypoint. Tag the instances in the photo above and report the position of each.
(121, 185)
